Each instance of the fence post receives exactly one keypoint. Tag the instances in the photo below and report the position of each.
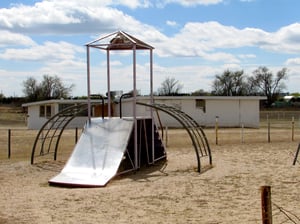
(9, 143)
(269, 128)
(216, 129)
(242, 133)
(293, 127)
(266, 205)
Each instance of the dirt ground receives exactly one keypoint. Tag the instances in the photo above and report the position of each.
(227, 192)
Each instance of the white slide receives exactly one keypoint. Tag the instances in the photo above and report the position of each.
(98, 153)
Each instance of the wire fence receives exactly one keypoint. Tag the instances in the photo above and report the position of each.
(282, 215)
(17, 143)
(275, 126)
(273, 211)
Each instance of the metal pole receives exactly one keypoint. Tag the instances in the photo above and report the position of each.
(151, 76)
(76, 135)
(88, 82)
(296, 156)
(134, 109)
(108, 84)
(166, 136)
(152, 101)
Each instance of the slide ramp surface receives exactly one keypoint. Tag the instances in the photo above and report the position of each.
(98, 153)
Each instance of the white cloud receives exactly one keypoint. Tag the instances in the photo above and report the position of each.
(188, 3)
(206, 40)
(132, 3)
(50, 51)
(64, 17)
(202, 39)
(221, 56)
(112, 63)
(246, 56)
(195, 39)
(286, 39)
(171, 23)
(14, 39)
(293, 61)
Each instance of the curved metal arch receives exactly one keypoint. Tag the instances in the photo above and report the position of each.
(191, 133)
(197, 128)
(62, 124)
(51, 121)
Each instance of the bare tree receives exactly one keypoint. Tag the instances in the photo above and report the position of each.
(51, 87)
(31, 89)
(169, 87)
(266, 84)
(230, 84)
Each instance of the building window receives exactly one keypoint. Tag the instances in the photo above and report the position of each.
(48, 110)
(42, 111)
(45, 111)
(200, 104)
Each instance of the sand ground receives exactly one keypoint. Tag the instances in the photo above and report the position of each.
(228, 192)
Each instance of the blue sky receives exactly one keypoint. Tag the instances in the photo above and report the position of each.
(194, 40)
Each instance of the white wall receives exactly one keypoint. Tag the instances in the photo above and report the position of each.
(231, 112)
(34, 121)
(250, 113)
(227, 112)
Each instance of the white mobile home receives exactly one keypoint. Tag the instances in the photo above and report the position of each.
(230, 111)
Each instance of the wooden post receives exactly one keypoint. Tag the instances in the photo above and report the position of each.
(269, 129)
(293, 128)
(242, 133)
(266, 205)
(216, 129)
(9, 144)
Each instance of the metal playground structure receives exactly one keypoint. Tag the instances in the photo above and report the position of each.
(109, 146)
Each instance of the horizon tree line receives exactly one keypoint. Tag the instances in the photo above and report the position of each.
(236, 83)
(262, 82)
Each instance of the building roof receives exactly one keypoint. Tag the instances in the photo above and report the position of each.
(119, 41)
(68, 101)
(57, 101)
